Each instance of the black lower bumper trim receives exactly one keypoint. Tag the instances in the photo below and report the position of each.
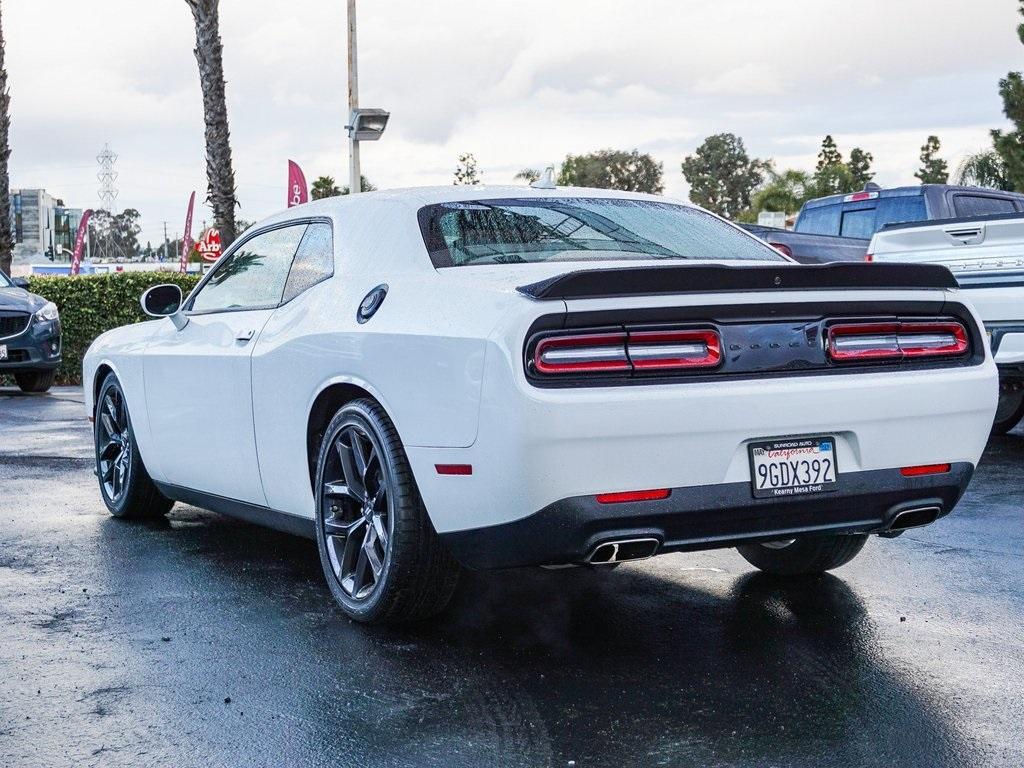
(706, 517)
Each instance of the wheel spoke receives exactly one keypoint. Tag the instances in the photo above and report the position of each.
(106, 452)
(359, 575)
(381, 531)
(337, 489)
(359, 455)
(335, 527)
(353, 477)
(375, 561)
(108, 401)
(108, 424)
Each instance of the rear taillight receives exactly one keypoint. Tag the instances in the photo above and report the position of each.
(852, 342)
(589, 353)
(662, 350)
(869, 257)
(626, 352)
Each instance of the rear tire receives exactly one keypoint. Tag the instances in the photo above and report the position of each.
(125, 485)
(1009, 412)
(811, 555)
(35, 381)
(381, 556)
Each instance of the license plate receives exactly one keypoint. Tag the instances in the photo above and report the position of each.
(3, 351)
(793, 467)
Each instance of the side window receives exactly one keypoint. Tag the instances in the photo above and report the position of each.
(314, 260)
(981, 205)
(254, 276)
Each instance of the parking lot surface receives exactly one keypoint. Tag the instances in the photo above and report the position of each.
(204, 641)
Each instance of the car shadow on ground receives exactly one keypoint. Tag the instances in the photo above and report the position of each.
(534, 667)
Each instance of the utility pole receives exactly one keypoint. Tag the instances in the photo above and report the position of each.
(355, 184)
(165, 242)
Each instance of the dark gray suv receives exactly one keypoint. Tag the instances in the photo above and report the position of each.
(30, 341)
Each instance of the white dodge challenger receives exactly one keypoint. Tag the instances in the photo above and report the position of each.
(487, 377)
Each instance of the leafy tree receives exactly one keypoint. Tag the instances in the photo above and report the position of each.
(831, 175)
(933, 169)
(115, 236)
(466, 172)
(722, 176)
(364, 183)
(6, 237)
(785, 192)
(220, 173)
(860, 167)
(324, 186)
(984, 169)
(613, 169)
(1009, 145)
(529, 175)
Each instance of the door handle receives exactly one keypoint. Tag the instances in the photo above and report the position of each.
(245, 335)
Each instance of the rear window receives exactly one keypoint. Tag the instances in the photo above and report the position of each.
(981, 205)
(862, 218)
(521, 231)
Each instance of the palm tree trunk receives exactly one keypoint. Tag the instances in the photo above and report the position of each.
(219, 172)
(6, 238)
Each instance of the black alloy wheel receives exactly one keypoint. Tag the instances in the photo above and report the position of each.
(381, 556)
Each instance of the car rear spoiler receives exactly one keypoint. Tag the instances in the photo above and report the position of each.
(703, 278)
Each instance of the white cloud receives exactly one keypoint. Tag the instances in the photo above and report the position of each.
(518, 82)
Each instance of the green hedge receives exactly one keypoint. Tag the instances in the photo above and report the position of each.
(92, 304)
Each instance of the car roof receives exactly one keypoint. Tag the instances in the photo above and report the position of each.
(909, 191)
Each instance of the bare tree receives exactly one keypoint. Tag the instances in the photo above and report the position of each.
(219, 172)
(6, 239)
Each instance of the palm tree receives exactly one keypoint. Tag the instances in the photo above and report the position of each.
(219, 172)
(6, 240)
(983, 169)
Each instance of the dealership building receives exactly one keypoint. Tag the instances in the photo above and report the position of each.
(42, 225)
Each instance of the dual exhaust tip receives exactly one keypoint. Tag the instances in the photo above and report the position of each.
(637, 549)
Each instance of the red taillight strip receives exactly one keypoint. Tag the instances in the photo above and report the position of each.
(626, 496)
(660, 350)
(589, 353)
(925, 469)
(896, 341)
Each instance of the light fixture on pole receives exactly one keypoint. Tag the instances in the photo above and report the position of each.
(363, 124)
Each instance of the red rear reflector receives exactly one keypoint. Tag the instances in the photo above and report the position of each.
(618, 498)
(454, 469)
(869, 257)
(925, 469)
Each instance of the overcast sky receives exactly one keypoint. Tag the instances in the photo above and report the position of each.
(517, 82)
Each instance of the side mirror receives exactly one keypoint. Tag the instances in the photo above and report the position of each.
(164, 301)
(20, 282)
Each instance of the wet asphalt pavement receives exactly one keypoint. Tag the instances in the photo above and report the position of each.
(202, 641)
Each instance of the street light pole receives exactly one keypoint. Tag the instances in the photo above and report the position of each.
(354, 176)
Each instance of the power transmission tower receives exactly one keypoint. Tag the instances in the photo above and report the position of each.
(107, 176)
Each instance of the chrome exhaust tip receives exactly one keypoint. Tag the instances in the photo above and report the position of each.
(914, 518)
(621, 550)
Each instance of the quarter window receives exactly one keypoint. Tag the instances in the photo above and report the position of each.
(314, 260)
(254, 275)
(981, 205)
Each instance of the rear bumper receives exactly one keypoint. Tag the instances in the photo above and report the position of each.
(706, 517)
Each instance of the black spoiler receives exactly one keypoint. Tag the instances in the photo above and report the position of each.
(703, 278)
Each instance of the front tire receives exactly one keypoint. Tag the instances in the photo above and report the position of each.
(125, 485)
(35, 381)
(801, 557)
(381, 556)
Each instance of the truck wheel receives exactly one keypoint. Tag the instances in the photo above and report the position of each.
(381, 556)
(813, 554)
(35, 381)
(1009, 412)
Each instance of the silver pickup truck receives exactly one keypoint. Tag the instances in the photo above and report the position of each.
(986, 255)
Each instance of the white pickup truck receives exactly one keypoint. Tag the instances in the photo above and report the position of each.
(986, 255)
